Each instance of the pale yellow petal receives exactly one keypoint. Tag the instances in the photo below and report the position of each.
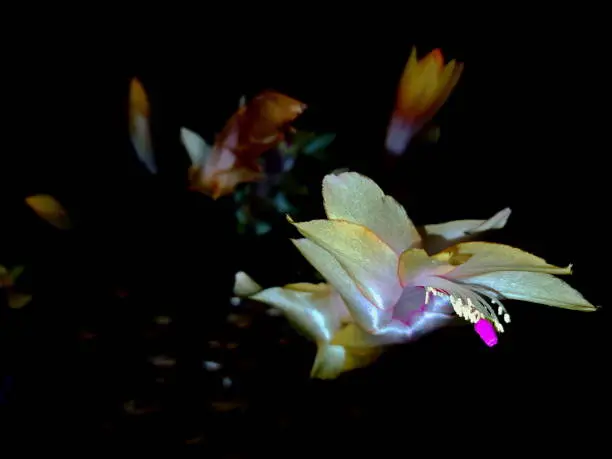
(334, 359)
(307, 287)
(440, 236)
(357, 199)
(534, 287)
(363, 311)
(50, 210)
(475, 258)
(244, 285)
(415, 266)
(367, 259)
(329, 362)
(317, 315)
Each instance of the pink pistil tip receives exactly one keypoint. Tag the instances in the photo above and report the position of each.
(486, 331)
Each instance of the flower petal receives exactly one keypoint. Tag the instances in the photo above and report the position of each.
(318, 315)
(244, 285)
(332, 360)
(534, 287)
(367, 259)
(475, 258)
(357, 199)
(18, 300)
(415, 266)
(440, 236)
(196, 146)
(363, 311)
(50, 210)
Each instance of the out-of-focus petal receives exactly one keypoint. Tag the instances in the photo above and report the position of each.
(224, 183)
(475, 258)
(196, 146)
(50, 210)
(244, 285)
(440, 236)
(140, 131)
(363, 311)
(18, 300)
(358, 199)
(367, 259)
(317, 315)
(535, 287)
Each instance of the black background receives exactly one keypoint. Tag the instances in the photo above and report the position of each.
(518, 131)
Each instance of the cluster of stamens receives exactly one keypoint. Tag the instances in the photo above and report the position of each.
(465, 308)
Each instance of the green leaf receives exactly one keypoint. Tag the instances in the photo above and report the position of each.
(319, 143)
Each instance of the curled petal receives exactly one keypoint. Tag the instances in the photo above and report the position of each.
(367, 259)
(244, 285)
(475, 258)
(535, 287)
(362, 310)
(357, 199)
(415, 266)
(440, 236)
(318, 315)
(50, 210)
(332, 360)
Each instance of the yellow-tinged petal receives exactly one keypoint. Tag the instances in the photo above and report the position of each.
(534, 287)
(47, 208)
(363, 311)
(415, 265)
(358, 199)
(317, 315)
(475, 258)
(18, 300)
(440, 236)
(332, 360)
(321, 288)
(244, 285)
(367, 259)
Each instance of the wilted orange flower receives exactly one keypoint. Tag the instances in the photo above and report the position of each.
(424, 87)
(253, 129)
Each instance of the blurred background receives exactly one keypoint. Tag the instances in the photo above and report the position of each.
(131, 338)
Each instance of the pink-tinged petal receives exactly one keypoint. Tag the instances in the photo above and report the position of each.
(358, 199)
(486, 331)
(400, 134)
(440, 236)
(365, 257)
